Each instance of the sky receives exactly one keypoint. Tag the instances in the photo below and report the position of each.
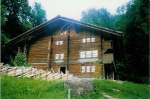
(74, 8)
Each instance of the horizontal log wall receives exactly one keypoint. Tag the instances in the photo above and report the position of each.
(38, 53)
(42, 52)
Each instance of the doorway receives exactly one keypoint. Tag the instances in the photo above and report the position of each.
(109, 71)
(63, 69)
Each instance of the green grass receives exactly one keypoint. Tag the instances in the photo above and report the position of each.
(24, 88)
(126, 90)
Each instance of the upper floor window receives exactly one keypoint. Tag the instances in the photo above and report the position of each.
(86, 40)
(59, 42)
(89, 54)
(59, 56)
(63, 33)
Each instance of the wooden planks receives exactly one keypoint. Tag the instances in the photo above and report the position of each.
(34, 73)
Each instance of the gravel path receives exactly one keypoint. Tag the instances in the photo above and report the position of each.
(79, 86)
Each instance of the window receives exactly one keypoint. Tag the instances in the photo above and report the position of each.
(59, 42)
(59, 56)
(94, 53)
(92, 68)
(89, 54)
(63, 33)
(83, 69)
(92, 39)
(84, 40)
(88, 39)
(82, 54)
(87, 69)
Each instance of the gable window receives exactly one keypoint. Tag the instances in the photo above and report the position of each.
(59, 56)
(63, 33)
(83, 40)
(86, 40)
(87, 69)
(89, 54)
(92, 39)
(59, 42)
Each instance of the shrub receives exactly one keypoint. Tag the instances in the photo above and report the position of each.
(20, 59)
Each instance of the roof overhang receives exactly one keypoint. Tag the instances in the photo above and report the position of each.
(62, 20)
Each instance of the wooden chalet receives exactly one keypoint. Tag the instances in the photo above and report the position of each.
(67, 45)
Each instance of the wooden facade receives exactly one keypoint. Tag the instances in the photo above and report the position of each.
(73, 47)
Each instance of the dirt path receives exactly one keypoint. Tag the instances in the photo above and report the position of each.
(79, 86)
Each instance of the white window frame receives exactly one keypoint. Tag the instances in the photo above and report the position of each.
(56, 43)
(83, 69)
(89, 54)
(64, 33)
(83, 40)
(94, 53)
(59, 56)
(87, 40)
(93, 39)
(82, 54)
(93, 68)
(56, 56)
(59, 43)
(88, 69)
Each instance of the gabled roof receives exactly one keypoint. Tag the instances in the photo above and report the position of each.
(60, 18)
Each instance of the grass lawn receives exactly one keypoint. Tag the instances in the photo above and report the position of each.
(125, 90)
(24, 88)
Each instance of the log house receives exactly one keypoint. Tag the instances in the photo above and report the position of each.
(67, 45)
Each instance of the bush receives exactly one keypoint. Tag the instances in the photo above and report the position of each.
(20, 59)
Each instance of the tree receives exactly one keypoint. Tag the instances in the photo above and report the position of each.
(132, 19)
(100, 17)
(16, 18)
(38, 15)
(15, 14)
(20, 59)
(4, 36)
(136, 41)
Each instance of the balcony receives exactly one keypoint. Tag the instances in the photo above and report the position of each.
(108, 56)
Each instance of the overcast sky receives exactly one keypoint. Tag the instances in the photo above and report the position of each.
(74, 8)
